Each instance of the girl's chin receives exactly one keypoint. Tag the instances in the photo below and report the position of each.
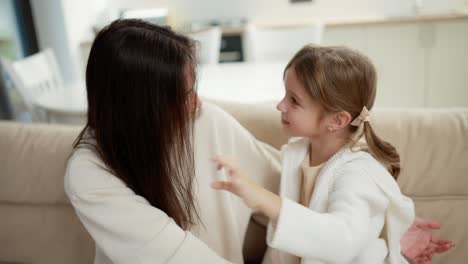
(287, 130)
(291, 133)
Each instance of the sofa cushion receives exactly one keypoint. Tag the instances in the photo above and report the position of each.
(43, 234)
(433, 145)
(33, 160)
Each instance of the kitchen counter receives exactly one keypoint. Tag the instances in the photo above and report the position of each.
(355, 21)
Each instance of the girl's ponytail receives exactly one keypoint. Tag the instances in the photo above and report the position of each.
(382, 150)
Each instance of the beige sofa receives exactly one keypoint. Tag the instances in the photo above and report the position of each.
(38, 225)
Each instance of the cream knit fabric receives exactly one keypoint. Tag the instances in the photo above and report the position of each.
(127, 229)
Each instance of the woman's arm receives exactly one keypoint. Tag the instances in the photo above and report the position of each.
(216, 132)
(124, 225)
(220, 133)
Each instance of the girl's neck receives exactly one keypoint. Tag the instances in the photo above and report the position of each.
(323, 148)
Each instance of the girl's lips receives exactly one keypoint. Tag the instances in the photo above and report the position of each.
(284, 122)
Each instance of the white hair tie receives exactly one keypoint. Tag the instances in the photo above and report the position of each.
(364, 116)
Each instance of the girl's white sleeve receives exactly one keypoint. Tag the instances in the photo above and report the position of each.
(336, 236)
(124, 225)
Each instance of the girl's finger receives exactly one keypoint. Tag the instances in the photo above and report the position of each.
(425, 223)
(224, 162)
(227, 164)
(442, 244)
(419, 260)
(220, 163)
(222, 185)
(437, 240)
(444, 247)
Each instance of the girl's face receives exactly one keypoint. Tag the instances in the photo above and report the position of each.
(300, 115)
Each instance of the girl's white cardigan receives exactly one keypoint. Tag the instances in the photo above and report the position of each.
(357, 212)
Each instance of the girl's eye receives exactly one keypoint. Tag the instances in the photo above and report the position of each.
(293, 100)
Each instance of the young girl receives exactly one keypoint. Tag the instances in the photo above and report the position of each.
(339, 201)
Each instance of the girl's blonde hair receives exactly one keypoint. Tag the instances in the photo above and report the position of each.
(341, 79)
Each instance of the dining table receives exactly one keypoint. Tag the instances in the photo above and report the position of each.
(242, 82)
(239, 82)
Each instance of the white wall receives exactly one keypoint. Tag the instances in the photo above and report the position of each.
(53, 32)
(63, 24)
(6, 18)
(86, 12)
(8, 28)
(80, 16)
(182, 11)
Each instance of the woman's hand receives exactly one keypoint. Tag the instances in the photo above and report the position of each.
(254, 196)
(418, 244)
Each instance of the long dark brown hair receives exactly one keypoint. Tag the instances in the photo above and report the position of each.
(140, 113)
(342, 79)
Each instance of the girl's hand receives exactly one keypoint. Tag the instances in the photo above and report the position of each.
(254, 196)
(239, 184)
(418, 244)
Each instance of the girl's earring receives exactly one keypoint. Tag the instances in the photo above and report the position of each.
(330, 129)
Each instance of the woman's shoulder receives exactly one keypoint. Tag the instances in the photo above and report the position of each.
(211, 115)
(212, 112)
(86, 172)
(83, 158)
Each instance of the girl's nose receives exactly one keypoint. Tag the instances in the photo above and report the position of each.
(280, 106)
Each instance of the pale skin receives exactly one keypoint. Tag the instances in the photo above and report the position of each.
(327, 133)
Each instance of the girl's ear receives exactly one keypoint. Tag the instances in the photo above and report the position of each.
(340, 120)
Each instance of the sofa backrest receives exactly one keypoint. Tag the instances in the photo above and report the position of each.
(38, 225)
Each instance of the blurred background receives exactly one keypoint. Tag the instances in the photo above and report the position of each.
(418, 46)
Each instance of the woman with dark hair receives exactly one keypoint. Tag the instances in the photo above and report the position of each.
(141, 101)
(131, 177)
(139, 177)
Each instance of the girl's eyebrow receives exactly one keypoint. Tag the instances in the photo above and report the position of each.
(293, 94)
